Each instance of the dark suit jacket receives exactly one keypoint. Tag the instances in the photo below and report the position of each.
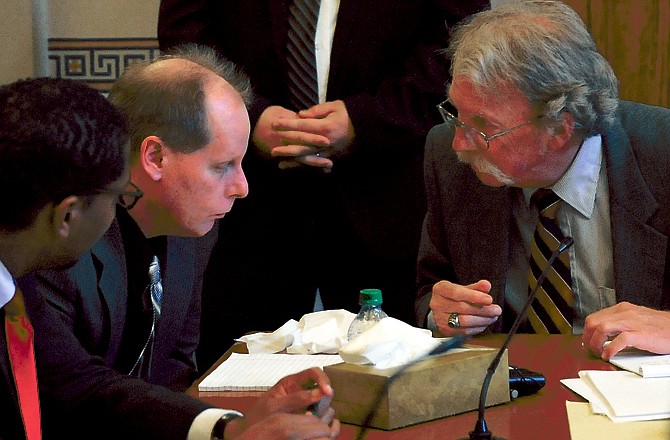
(89, 303)
(385, 65)
(11, 426)
(465, 233)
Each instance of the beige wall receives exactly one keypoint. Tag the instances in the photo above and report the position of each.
(68, 19)
(16, 50)
(102, 18)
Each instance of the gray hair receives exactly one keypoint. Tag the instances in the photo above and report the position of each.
(544, 49)
(171, 104)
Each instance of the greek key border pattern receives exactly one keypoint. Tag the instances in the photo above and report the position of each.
(100, 61)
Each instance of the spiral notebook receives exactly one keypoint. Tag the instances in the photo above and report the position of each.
(259, 372)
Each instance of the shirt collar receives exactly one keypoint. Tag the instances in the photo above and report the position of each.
(7, 287)
(577, 187)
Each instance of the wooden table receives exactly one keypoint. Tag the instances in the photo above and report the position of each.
(540, 416)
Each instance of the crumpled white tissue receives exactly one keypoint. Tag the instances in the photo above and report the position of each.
(387, 344)
(271, 342)
(318, 332)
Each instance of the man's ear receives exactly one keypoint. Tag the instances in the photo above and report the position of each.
(151, 157)
(66, 215)
(563, 131)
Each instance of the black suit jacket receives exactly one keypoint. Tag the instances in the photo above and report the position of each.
(465, 233)
(385, 65)
(88, 304)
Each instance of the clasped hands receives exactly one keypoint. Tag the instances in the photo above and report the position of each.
(311, 137)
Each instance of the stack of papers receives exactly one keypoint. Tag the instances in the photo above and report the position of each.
(259, 372)
(623, 396)
(642, 362)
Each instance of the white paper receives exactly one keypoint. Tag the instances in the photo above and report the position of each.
(623, 396)
(642, 362)
(259, 372)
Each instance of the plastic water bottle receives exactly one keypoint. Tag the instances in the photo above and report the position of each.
(371, 312)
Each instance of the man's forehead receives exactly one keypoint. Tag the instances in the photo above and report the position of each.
(463, 93)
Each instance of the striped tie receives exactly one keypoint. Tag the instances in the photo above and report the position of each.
(303, 82)
(142, 366)
(552, 309)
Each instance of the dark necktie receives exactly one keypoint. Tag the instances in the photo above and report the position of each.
(303, 81)
(22, 356)
(552, 309)
(154, 296)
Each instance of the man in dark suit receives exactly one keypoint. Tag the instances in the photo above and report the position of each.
(130, 308)
(537, 107)
(357, 225)
(64, 152)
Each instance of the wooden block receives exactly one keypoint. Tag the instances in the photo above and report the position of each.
(441, 386)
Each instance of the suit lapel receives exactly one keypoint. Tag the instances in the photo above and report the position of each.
(347, 15)
(490, 235)
(279, 18)
(112, 279)
(639, 250)
(480, 231)
(177, 287)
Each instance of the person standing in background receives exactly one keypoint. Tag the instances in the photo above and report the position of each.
(335, 169)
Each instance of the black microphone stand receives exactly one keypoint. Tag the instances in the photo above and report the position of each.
(481, 431)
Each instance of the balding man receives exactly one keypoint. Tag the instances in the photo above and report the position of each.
(128, 312)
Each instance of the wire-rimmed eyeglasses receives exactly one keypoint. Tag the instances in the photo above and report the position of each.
(127, 198)
(472, 133)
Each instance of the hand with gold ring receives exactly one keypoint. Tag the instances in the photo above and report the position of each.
(466, 310)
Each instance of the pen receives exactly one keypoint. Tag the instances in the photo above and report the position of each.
(314, 408)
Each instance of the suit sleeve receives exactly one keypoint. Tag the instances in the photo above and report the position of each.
(80, 395)
(433, 263)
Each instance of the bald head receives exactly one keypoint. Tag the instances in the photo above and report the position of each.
(166, 97)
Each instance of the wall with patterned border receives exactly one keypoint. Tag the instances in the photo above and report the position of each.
(98, 61)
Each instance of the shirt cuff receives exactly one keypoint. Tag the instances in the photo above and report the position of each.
(430, 322)
(203, 424)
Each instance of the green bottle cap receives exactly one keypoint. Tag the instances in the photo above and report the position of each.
(370, 297)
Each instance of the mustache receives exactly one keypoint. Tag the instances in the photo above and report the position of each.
(483, 166)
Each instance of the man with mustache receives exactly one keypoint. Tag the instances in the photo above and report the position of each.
(540, 148)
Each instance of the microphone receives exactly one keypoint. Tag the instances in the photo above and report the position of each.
(481, 431)
(453, 342)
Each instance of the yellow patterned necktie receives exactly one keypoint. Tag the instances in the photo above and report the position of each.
(552, 309)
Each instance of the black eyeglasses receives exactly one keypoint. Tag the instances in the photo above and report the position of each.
(127, 199)
(472, 133)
